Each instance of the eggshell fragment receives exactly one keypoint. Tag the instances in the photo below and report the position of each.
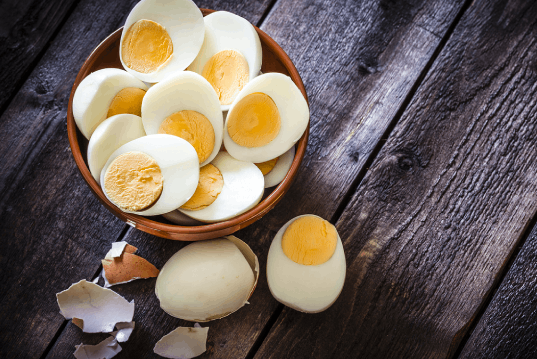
(208, 280)
(126, 268)
(106, 349)
(123, 332)
(117, 249)
(183, 343)
(98, 308)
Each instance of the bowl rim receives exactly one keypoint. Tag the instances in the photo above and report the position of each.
(174, 231)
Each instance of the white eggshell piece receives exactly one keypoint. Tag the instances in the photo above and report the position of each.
(106, 349)
(110, 135)
(178, 163)
(205, 280)
(94, 95)
(183, 91)
(116, 250)
(309, 289)
(123, 332)
(278, 173)
(181, 219)
(183, 343)
(227, 31)
(244, 185)
(294, 113)
(183, 21)
(99, 308)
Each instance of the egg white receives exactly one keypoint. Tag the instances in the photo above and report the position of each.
(278, 173)
(294, 113)
(309, 289)
(243, 189)
(183, 21)
(181, 219)
(110, 135)
(184, 91)
(227, 31)
(178, 163)
(94, 95)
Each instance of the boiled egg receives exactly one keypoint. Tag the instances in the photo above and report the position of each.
(227, 188)
(160, 38)
(208, 280)
(110, 135)
(151, 175)
(266, 119)
(276, 169)
(105, 93)
(185, 105)
(181, 219)
(306, 264)
(230, 56)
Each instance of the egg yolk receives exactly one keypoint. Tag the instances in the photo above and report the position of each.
(128, 100)
(146, 46)
(309, 240)
(267, 166)
(255, 121)
(133, 181)
(193, 127)
(209, 187)
(227, 71)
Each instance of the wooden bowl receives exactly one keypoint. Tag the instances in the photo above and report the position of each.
(106, 55)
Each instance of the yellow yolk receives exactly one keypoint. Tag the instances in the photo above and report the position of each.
(193, 127)
(309, 240)
(133, 181)
(227, 71)
(128, 100)
(267, 166)
(146, 46)
(209, 187)
(255, 121)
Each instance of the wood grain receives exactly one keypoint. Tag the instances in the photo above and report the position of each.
(508, 327)
(443, 206)
(54, 232)
(26, 27)
(331, 167)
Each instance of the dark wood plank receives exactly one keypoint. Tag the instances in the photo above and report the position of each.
(508, 327)
(57, 230)
(367, 104)
(25, 30)
(443, 206)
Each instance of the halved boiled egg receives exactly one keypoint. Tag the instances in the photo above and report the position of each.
(227, 188)
(161, 37)
(230, 56)
(110, 135)
(185, 105)
(181, 219)
(306, 264)
(151, 175)
(266, 119)
(105, 93)
(276, 169)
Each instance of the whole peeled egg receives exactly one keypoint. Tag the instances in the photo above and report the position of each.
(306, 264)
(208, 280)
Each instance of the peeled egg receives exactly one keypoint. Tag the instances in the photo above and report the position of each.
(306, 264)
(175, 105)
(110, 135)
(266, 119)
(275, 173)
(243, 187)
(136, 180)
(208, 280)
(160, 38)
(101, 89)
(230, 56)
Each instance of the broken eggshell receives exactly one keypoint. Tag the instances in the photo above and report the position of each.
(97, 309)
(208, 280)
(183, 342)
(106, 349)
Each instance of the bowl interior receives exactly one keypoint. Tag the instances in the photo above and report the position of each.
(106, 55)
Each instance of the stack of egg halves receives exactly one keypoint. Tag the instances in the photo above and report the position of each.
(159, 138)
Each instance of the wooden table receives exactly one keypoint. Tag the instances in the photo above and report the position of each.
(423, 153)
